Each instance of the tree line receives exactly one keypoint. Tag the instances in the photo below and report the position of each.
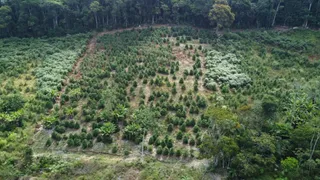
(58, 17)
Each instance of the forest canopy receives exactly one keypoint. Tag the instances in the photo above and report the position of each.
(59, 17)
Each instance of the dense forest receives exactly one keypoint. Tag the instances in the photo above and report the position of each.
(59, 17)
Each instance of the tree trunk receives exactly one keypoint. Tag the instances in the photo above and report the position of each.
(29, 12)
(216, 160)
(306, 21)
(108, 20)
(103, 21)
(55, 21)
(275, 15)
(96, 18)
(318, 7)
(126, 21)
(314, 145)
(223, 163)
(152, 19)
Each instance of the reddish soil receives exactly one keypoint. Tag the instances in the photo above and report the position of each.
(314, 58)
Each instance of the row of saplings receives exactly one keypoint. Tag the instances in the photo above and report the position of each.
(165, 147)
(83, 139)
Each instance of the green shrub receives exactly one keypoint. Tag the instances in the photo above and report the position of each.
(114, 149)
(84, 144)
(165, 151)
(178, 153)
(96, 132)
(56, 136)
(126, 152)
(192, 142)
(183, 127)
(48, 143)
(70, 142)
(185, 154)
(159, 150)
(151, 140)
(196, 129)
(150, 148)
(170, 128)
(60, 129)
(185, 140)
(11, 103)
(179, 135)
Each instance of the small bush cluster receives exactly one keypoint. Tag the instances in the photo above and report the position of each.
(224, 70)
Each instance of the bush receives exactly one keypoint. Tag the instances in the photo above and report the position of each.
(178, 152)
(224, 69)
(107, 139)
(165, 151)
(151, 140)
(60, 129)
(170, 128)
(114, 149)
(77, 142)
(89, 136)
(196, 129)
(204, 123)
(190, 123)
(159, 150)
(90, 144)
(70, 142)
(171, 152)
(185, 154)
(77, 125)
(269, 105)
(169, 143)
(183, 127)
(126, 152)
(185, 140)
(157, 142)
(199, 141)
(48, 143)
(179, 135)
(181, 81)
(96, 132)
(183, 87)
(11, 103)
(56, 136)
(192, 142)
(225, 89)
(84, 144)
(150, 149)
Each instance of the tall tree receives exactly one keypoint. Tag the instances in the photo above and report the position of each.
(221, 14)
(310, 3)
(244, 14)
(5, 16)
(278, 2)
(264, 9)
(95, 8)
(53, 9)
